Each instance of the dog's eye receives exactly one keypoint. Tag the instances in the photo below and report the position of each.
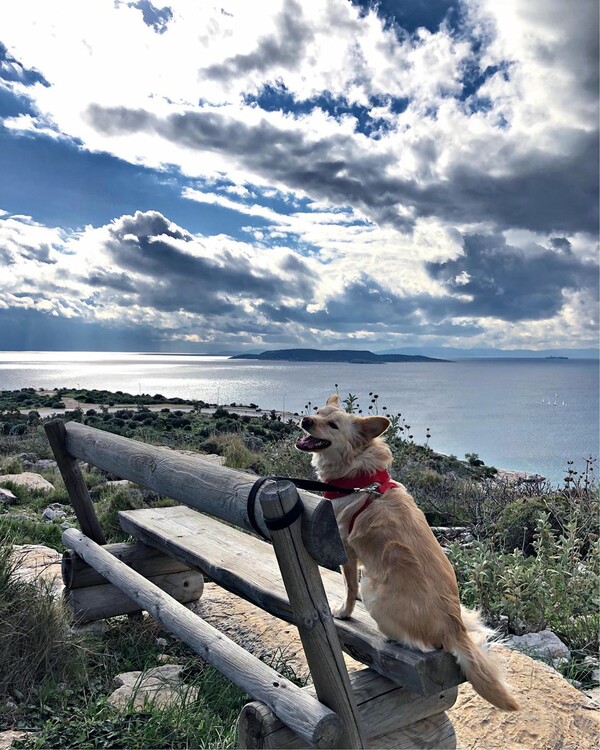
(333, 425)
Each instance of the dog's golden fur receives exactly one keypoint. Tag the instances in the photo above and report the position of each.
(408, 585)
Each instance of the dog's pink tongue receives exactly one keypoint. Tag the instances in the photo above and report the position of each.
(306, 443)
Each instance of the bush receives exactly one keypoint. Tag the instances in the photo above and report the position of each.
(36, 646)
(555, 588)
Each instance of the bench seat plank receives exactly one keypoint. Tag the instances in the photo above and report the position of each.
(246, 566)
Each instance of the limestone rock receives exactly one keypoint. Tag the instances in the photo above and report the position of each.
(55, 512)
(7, 497)
(544, 645)
(553, 713)
(39, 564)
(29, 480)
(160, 685)
(7, 738)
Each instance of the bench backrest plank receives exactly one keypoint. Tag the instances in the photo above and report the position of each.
(203, 485)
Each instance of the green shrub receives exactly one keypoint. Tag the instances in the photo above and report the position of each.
(555, 588)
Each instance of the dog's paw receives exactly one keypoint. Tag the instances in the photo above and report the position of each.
(341, 613)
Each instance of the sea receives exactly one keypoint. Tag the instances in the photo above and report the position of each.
(530, 415)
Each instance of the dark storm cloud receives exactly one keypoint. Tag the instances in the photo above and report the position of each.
(170, 279)
(284, 48)
(542, 192)
(119, 281)
(366, 305)
(505, 282)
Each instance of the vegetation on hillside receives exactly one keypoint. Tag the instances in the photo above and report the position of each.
(528, 557)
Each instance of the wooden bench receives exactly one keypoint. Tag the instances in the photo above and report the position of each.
(401, 695)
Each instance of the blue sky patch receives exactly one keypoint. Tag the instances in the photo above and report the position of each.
(279, 99)
(411, 15)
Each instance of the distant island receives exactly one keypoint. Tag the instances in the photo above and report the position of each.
(556, 358)
(351, 356)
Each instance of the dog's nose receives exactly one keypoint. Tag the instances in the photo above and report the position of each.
(306, 423)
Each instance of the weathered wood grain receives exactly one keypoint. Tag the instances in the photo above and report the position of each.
(315, 723)
(312, 615)
(383, 707)
(147, 561)
(105, 600)
(203, 485)
(247, 566)
(79, 496)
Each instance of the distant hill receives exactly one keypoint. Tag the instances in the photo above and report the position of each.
(490, 353)
(335, 355)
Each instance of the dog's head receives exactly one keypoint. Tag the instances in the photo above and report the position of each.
(336, 436)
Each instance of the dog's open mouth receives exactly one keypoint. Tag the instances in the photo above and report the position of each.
(310, 443)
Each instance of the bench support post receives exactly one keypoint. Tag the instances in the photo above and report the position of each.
(74, 482)
(309, 603)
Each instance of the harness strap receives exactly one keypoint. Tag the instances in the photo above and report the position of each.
(345, 486)
(290, 517)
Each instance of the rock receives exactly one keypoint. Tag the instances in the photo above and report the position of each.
(543, 645)
(161, 643)
(594, 696)
(55, 512)
(7, 497)
(46, 464)
(118, 483)
(553, 713)
(39, 564)
(98, 627)
(160, 685)
(29, 480)
(7, 738)
(31, 458)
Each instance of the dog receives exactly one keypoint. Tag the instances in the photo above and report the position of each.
(408, 586)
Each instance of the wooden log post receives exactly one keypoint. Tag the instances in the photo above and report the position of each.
(79, 496)
(105, 600)
(314, 722)
(383, 706)
(282, 509)
(149, 562)
(202, 485)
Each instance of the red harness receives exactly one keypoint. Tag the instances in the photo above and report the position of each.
(380, 478)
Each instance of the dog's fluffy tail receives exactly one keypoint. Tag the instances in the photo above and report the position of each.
(470, 650)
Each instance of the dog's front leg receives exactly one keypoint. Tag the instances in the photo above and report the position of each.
(350, 573)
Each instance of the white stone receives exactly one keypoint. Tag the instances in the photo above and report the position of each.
(544, 645)
(161, 686)
(39, 564)
(7, 497)
(29, 480)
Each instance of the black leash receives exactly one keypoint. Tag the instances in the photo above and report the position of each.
(288, 518)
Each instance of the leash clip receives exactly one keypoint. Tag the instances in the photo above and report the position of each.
(372, 489)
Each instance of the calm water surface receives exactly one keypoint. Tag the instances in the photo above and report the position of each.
(530, 415)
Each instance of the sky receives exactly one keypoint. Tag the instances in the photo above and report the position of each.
(242, 176)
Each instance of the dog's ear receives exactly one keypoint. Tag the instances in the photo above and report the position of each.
(334, 401)
(372, 427)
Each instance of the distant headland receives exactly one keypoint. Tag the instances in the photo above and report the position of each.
(351, 356)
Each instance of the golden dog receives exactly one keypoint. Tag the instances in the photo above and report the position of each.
(408, 586)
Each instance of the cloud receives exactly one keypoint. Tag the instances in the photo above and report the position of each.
(497, 280)
(286, 47)
(425, 170)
